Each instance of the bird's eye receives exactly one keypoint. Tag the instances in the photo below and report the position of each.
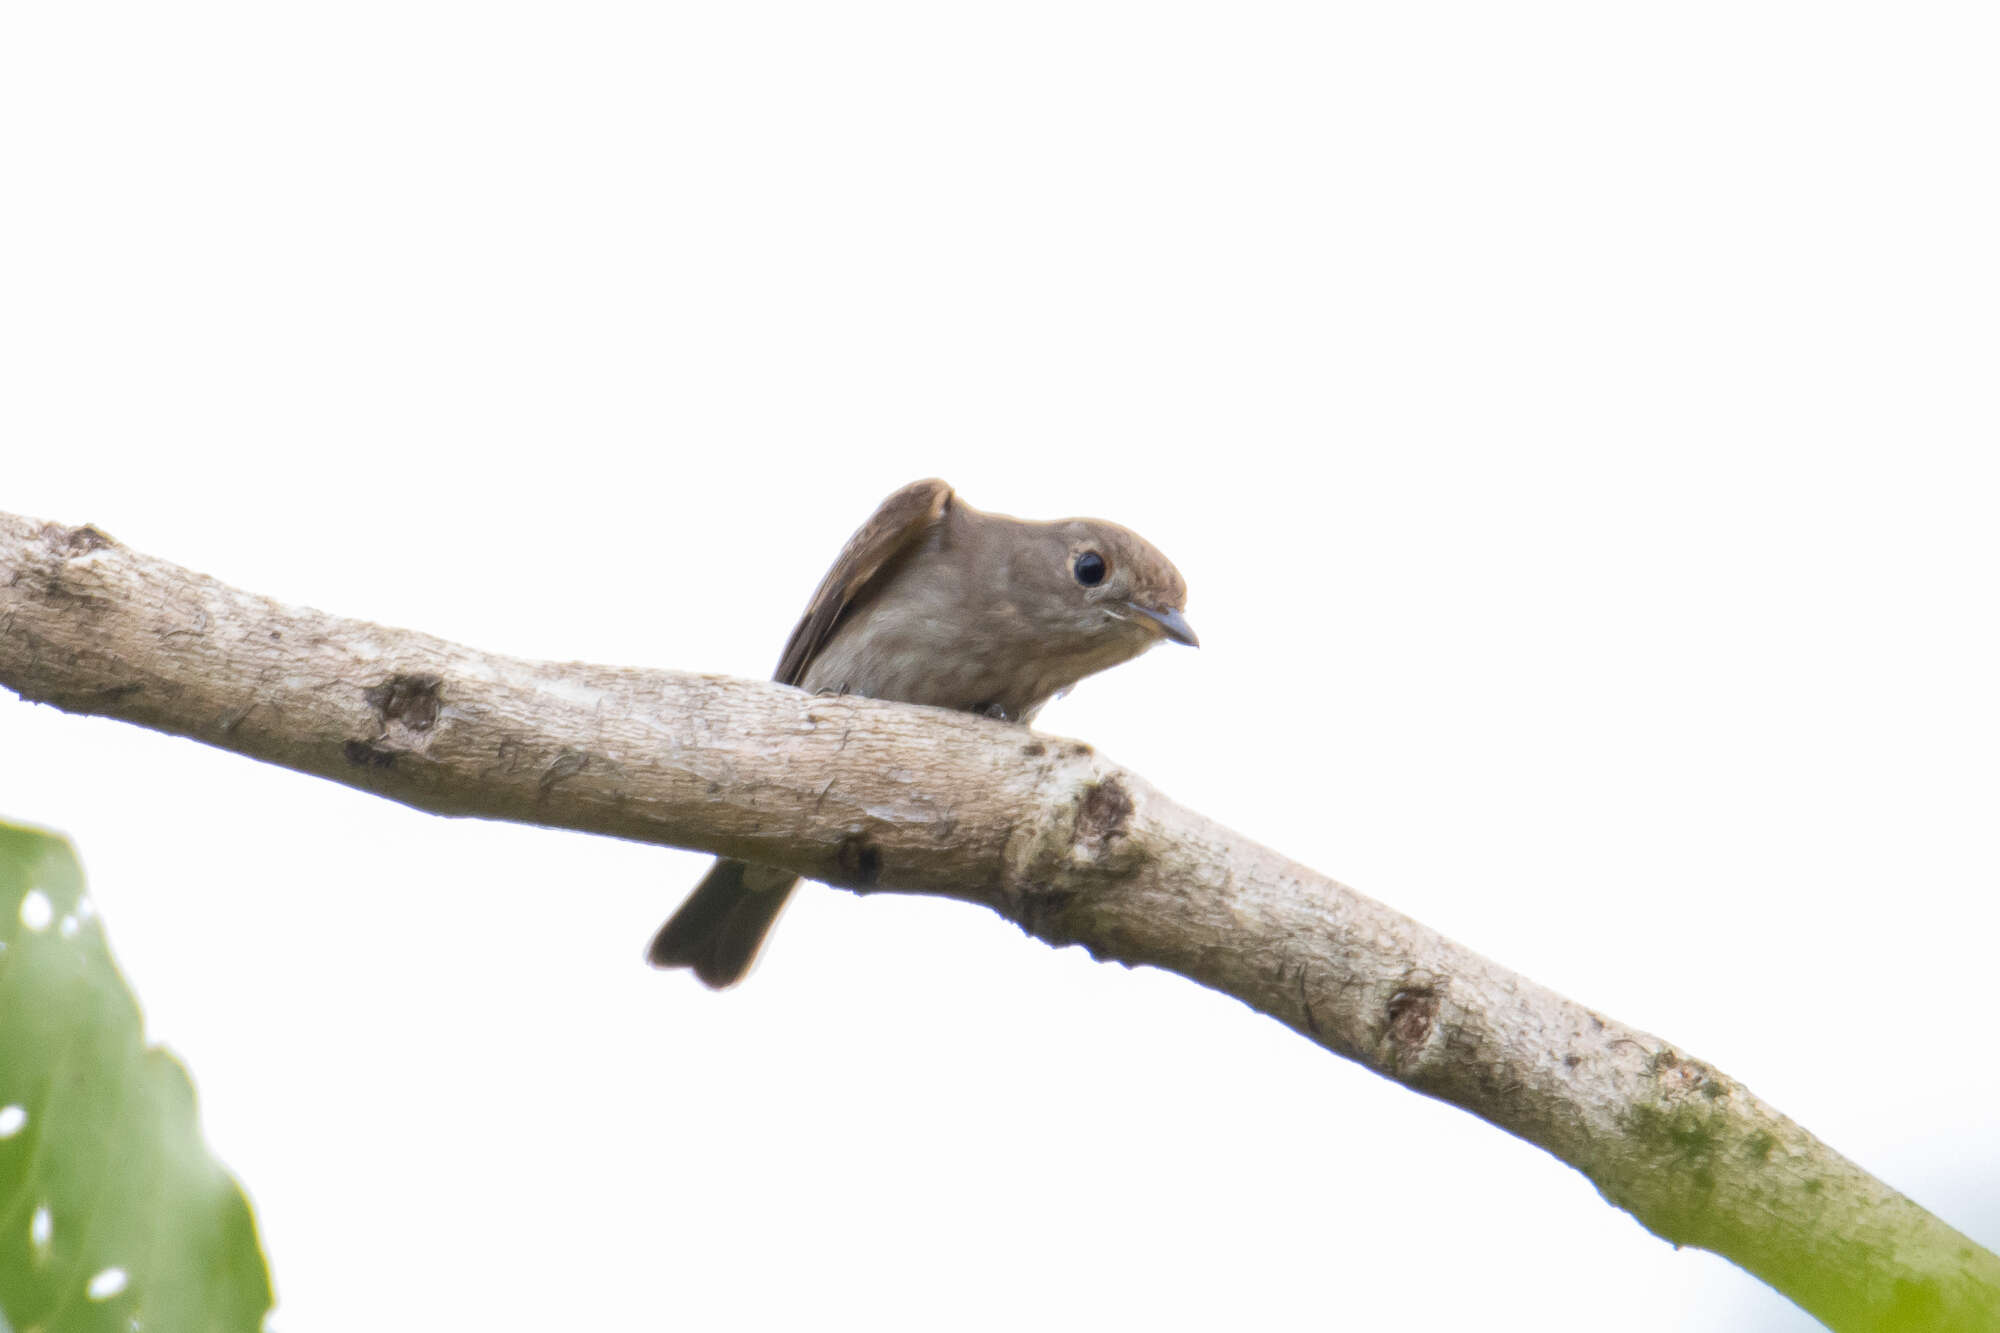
(1089, 568)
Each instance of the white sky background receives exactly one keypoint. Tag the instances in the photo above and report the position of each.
(1577, 426)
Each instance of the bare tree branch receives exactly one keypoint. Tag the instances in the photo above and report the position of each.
(872, 795)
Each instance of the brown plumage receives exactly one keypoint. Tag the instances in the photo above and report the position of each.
(934, 602)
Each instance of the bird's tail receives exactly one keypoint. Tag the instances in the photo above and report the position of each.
(718, 929)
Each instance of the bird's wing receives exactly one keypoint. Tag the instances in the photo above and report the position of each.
(893, 527)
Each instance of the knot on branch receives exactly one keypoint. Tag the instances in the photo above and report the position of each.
(408, 700)
(1101, 816)
(1084, 838)
(69, 542)
(1678, 1077)
(1412, 1013)
(406, 708)
(62, 544)
(859, 862)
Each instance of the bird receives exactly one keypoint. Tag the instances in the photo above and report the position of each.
(934, 602)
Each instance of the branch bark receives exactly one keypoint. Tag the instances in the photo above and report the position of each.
(871, 795)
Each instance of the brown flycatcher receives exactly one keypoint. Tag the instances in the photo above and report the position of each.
(934, 602)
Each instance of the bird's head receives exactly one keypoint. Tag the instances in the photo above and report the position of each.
(1102, 593)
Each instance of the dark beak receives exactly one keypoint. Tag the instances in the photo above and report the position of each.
(1172, 623)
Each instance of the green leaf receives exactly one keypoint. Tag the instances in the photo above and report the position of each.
(113, 1215)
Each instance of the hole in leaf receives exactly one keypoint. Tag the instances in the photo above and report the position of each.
(105, 1284)
(36, 910)
(68, 926)
(40, 1226)
(11, 1120)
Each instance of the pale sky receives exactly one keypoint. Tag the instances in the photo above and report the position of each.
(1577, 427)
